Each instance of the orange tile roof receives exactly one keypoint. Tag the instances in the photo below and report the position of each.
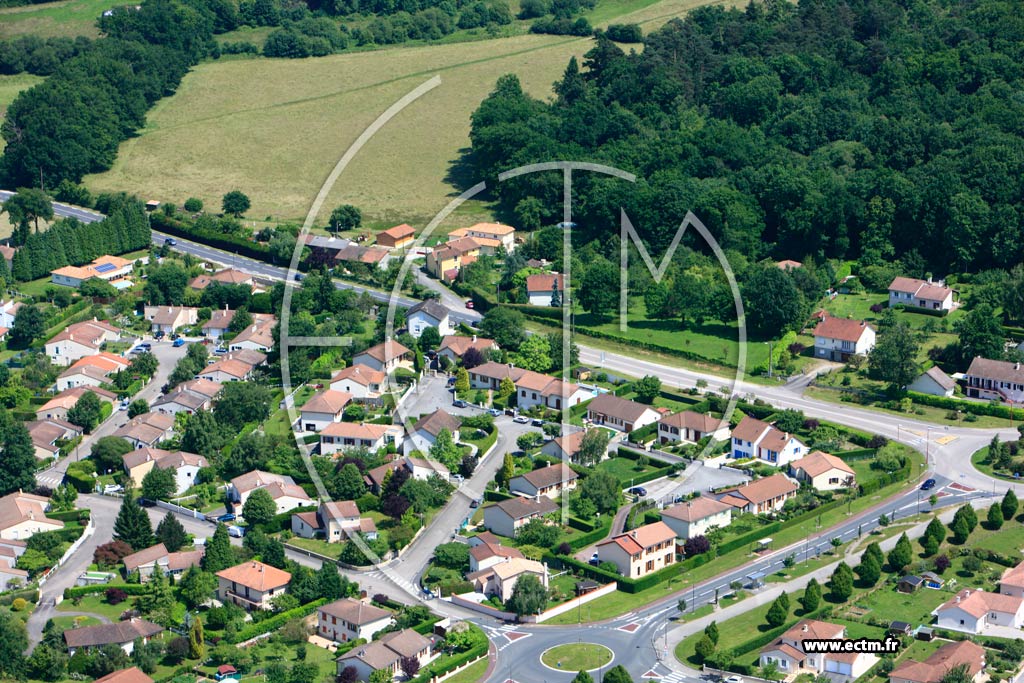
(327, 401)
(818, 463)
(256, 575)
(696, 509)
(843, 329)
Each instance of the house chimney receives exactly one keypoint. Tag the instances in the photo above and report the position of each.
(474, 339)
(805, 629)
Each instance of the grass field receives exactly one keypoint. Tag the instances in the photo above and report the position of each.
(577, 657)
(67, 18)
(471, 674)
(275, 128)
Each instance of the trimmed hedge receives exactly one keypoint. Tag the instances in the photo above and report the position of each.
(81, 591)
(857, 454)
(275, 622)
(69, 515)
(496, 496)
(988, 409)
(476, 650)
(583, 540)
(232, 243)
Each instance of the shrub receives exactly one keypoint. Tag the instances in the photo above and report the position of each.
(19, 604)
(115, 596)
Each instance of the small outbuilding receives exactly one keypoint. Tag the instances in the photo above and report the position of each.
(909, 583)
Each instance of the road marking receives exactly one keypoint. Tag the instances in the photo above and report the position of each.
(630, 627)
(946, 439)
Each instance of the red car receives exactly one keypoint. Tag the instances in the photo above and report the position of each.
(469, 304)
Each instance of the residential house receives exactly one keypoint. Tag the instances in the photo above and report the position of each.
(147, 430)
(935, 382)
(91, 371)
(697, 516)
(218, 324)
(445, 261)
(112, 269)
(490, 236)
(169, 319)
(361, 382)
(428, 313)
(425, 431)
(914, 293)
(1012, 581)
(228, 276)
(49, 434)
(752, 438)
(541, 288)
(398, 237)
(322, 409)
(227, 370)
(157, 558)
(349, 619)
(823, 471)
(788, 653)
(385, 357)
(10, 576)
(132, 675)
(691, 427)
(995, 380)
(534, 389)
(286, 493)
(566, 447)
(120, 633)
(350, 254)
(617, 413)
(386, 653)
(763, 496)
(375, 478)
(490, 374)
(641, 551)
(499, 579)
(973, 611)
(486, 551)
(251, 585)
(423, 469)
(334, 521)
(256, 337)
(506, 517)
(186, 466)
(323, 249)
(58, 406)
(22, 515)
(550, 481)
(79, 340)
(342, 436)
(948, 657)
(453, 347)
(251, 357)
(8, 311)
(188, 397)
(837, 339)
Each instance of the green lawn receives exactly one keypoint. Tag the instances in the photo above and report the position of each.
(318, 545)
(471, 674)
(577, 656)
(96, 604)
(67, 18)
(625, 469)
(938, 416)
(66, 623)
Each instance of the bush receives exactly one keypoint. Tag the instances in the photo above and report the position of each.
(625, 33)
(275, 622)
(115, 596)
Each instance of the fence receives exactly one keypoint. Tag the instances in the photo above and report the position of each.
(181, 510)
(90, 529)
(571, 604)
(482, 609)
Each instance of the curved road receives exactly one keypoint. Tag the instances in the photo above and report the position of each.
(634, 636)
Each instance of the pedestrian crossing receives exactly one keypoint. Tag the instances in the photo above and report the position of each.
(50, 479)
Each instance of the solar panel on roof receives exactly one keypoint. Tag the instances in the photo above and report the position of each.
(105, 267)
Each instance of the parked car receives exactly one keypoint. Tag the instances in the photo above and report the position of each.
(113, 488)
(537, 422)
(178, 342)
(637, 491)
(159, 334)
(220, 350)
(145, 346)
(494, 411)
(236, 531)
(459, 403)
(928, 485)
(734, 679)
(475, 503)
(451, 381)
(123, 405)
(226, 517)
(521, 419)
(594, 560)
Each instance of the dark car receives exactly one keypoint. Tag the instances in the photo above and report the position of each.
(928, 485)
(227, 517)
(170, 241)
(475, 503)
(159, 334)
(638, 491)
(459, 403)
(537, 422)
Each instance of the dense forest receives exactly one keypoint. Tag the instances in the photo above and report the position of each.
(863, 129)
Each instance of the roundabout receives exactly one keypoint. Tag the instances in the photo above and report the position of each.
(575, 657)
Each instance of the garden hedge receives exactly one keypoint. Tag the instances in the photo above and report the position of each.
(437, 668)
(988, 409)
(275, 622)
(82, 591)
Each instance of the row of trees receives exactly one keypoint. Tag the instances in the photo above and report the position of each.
(70, 242)
(39, 56)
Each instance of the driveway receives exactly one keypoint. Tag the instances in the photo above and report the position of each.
(697, 478)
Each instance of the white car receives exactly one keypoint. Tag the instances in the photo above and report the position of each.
(734, 679)
(520, 419)
(236, 531)
(113, 488)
